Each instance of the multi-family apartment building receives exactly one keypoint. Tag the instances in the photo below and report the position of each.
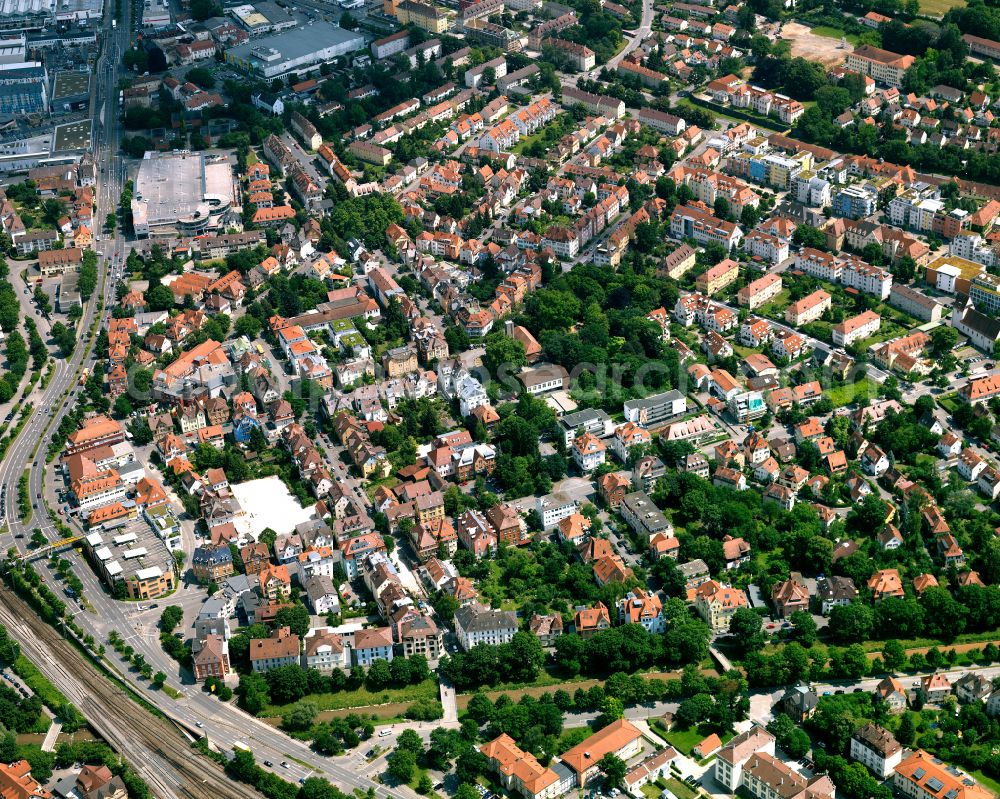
(734, 755)
(716, 604)
(475, 624)
(520, 771)
(698, 222)
(808, 309)
(760, 292)
(866, 278)
(856, 201)
(883, 66)
(877, 750)
(656, 409)
(923, 776)
(766, 246)
(915, 303)
(856, 328)
(716, 278)
(642, 515)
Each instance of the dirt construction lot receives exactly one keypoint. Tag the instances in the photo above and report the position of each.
(807, 44)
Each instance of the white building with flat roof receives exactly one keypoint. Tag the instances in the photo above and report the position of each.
(181, 192)
(297, 50)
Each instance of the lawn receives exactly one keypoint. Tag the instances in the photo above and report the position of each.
(847, 393)
(389, 482)
(937, 8)
(776, 307)
(949, 402)
(685, 740)
(39, 685)
(982, 779)
(361, 698)
(924, 643)
(887, 332)
(743, 352)
(680, 789)
(830, 32)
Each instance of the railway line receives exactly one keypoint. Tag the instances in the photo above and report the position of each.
(155, 749)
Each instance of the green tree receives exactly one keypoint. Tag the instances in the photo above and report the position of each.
(8, 747)
(201, 77)
(613, 768)
(792, 739)
(851, 623)
(805, 627)
(160, 298)
(295, 617)
(401, 764)
(893, 655)
(411, 742)
(747, 628)
(203, 9)
(501, 349)
(300, 717)
(907, 731)
(808, 236)
(379, 675)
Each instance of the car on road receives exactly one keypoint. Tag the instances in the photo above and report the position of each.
(268, 763)
(284, 764)
(200, 725)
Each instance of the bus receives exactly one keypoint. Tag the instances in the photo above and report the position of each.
(84, 375)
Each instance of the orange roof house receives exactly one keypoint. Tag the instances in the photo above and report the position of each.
(16, 782)
(885, 583)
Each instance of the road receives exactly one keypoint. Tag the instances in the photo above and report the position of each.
(640, 35)
(761, 704)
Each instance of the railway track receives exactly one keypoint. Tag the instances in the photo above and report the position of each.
(154, 747)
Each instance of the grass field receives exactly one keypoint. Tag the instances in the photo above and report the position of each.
(680, 789)
(829, 32)
(949, 402)
(685, 740)
(937, 8)
(847, 393)
(40, 686)
(776, 307)
(986, 782)
(361, 698)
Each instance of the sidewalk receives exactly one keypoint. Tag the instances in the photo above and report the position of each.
(449, 702)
